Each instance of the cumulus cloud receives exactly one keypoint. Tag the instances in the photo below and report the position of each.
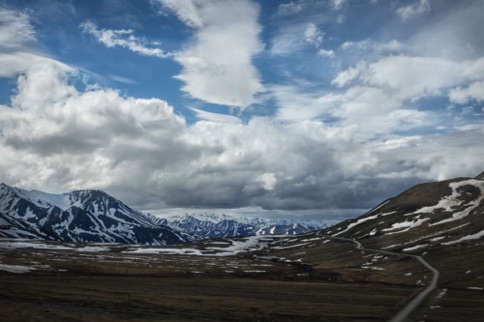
(312, 35)
(413, 10)
(326, 150)
(360, 113)
(217, 64)
(52, 125)
(326, 53)
(474, 91)
(123, 38)
(64, 139)
(346, 76)
(412, 78)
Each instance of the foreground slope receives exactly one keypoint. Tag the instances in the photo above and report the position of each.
(444, 223)
(78, 216)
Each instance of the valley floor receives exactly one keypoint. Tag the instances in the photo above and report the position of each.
(304, 278)
(127, 298)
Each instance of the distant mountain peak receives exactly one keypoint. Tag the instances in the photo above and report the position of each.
(78, 216)
(214, 225)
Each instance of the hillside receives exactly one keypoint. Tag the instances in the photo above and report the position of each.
(444, 223)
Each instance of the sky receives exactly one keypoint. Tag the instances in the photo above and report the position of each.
(303, 108)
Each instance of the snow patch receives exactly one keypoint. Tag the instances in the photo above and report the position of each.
(409, 249)
(406, 224)
(16, 268)
(448, 202)
(474, 288)
(468, 237)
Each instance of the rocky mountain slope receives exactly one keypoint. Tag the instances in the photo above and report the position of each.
(211, 225)
(434, 214)
(78, 216)
(443, 222)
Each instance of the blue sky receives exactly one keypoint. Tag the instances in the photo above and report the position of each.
(303, 107)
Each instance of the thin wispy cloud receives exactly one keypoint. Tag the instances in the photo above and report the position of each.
(413, 10)
(123, 38)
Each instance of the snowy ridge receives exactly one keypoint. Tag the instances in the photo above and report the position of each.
(212, 225)
(78, 216)
(427, 215)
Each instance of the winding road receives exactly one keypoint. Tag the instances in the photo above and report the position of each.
(403, 314)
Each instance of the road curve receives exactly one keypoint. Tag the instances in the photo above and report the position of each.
(403, 314)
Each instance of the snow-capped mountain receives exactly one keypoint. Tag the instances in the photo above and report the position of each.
(426, 216)
(212, 225)
(78, 216)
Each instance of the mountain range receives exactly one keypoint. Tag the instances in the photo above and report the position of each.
(212, 225)
(78, 216)
(95, 216)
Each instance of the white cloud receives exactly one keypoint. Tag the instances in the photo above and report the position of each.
(267, 180)
(16, 37)
(296, 106)
(298, 6)
(296, 37)
(288, 41)
(413, 10)
(289, 8)
(15, 30)
(14, 63)
(53, 126)
(413, 77)
(451, 33)
(368, 45)
(54, 137)
(122, 79)
(360, 113)
(337, 4)
(326, 53)
(474, 91)
(217, 64)
(123, 38)
(62, 139)
(345, 77)
(312, 35)
(186, 10)
(216, 117)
